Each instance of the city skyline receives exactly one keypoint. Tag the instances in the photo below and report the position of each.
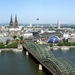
(48, 11)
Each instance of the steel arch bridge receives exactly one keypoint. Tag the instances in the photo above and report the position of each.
(57, 66)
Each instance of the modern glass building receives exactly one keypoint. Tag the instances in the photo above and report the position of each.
(53, 39)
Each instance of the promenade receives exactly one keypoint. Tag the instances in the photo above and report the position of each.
(59, 47)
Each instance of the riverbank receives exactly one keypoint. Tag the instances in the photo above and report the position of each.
(59, 47)
(13, 49)
(19, 48)
(7, 49)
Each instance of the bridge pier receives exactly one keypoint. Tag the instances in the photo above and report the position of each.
(40, 67)
(27, 53)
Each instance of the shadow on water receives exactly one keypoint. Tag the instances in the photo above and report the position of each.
(37, 63)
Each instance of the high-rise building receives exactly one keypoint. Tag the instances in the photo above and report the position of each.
(11, 22)
(30, 25)
(58, 23)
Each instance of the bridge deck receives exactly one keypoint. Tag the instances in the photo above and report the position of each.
(59, 65)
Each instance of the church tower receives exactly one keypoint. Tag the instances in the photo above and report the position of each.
(11, 22)
(16, 22)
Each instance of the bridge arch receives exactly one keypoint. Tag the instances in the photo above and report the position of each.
(58, 65)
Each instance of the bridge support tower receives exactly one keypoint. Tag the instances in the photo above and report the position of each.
(27, 53)
(40, 67)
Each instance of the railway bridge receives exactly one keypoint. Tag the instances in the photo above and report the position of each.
(45, 57)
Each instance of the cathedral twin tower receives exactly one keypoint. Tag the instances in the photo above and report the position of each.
(15, 24)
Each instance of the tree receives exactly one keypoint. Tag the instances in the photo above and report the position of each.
(12, 45)
(73, 44)
(51, 44)
(2, 45)
(14, 37)
(21, 38)
(69, 44)
(65, 40)
(7, 41)
(60, 44)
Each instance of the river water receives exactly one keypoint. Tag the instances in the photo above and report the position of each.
(69, 54)
(17, 63)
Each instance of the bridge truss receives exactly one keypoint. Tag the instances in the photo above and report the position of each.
(59, 65)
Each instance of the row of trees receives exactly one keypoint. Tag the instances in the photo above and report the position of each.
(21, 37)
(64, 44)
(12, 45)
(18, 40)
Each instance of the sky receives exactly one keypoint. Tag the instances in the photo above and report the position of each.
(48, 11)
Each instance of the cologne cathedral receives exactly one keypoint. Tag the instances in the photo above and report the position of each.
(13, 24)
(14, 28)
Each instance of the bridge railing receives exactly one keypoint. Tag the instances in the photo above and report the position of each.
(46, 51)
(59, 66)
(35, 50)
(67, 65)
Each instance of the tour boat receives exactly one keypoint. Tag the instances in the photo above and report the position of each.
(64, 48)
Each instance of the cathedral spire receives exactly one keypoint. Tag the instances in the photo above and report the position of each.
(15, 18)
(11, 18)
(11, 22)
(16, 23)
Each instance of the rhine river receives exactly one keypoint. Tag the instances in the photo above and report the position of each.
(17, 63)
(69, 54)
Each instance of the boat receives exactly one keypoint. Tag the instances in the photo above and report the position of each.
(55, 48)
(64, 48)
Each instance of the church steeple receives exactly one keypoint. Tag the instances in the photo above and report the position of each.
(16, 23)
(11, 22)
(15, 18)
(11, 18)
